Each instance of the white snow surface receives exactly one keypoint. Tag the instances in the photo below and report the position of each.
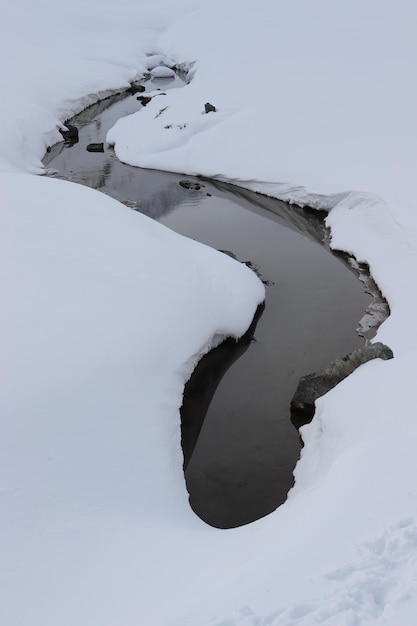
(104, 313)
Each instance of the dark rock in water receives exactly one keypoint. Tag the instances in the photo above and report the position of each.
(134, 88)
(69, 133)
(317, 384)
(209, 108)
(95, 147)
(144, 100)
(188, 184)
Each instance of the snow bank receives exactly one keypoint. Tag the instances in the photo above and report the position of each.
(105, 313)
(318, 96)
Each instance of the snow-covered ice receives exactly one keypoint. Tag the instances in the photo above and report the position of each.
(104, 313)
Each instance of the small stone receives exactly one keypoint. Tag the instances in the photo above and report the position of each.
(136, 89)
(209, 108)
(144, 100)
(188, 184)
(95, 147)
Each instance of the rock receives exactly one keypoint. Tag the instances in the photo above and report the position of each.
(209, 108)
(95, 147)
(135, 88)
(317, 384)
(161, 71)
(69, 133)
(144, 100)
(188, 184)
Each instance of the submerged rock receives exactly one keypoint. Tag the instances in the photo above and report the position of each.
(95, 147)
(188, 184)
(317, 384)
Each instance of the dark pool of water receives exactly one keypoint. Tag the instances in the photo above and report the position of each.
(240, 447)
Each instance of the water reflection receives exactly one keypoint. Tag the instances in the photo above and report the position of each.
(202, 385)
(145, 190)
(245, 449)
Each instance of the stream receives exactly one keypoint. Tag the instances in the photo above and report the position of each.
(240, 446)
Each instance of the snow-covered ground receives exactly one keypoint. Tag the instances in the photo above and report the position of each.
(104, 313)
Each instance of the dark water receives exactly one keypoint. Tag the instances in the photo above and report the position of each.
(240, 447)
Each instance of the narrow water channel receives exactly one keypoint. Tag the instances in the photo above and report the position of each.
(240, 447)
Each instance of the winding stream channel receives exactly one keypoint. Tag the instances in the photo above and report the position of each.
(240, 446)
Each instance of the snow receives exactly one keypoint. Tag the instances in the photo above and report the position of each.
(105, 313)
(162, 72)
(159, 61)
